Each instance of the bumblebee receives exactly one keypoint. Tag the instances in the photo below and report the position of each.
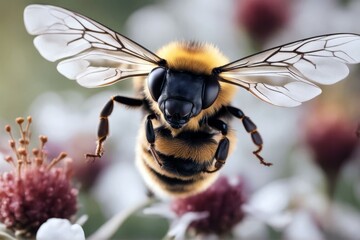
(186, 89)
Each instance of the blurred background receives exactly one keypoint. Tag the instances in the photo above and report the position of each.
(314, 147)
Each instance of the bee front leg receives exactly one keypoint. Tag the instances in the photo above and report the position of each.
(150, 137)
(223, 147)
(103, 129)
(251, 128)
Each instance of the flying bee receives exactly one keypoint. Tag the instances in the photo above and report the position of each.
(186, 89)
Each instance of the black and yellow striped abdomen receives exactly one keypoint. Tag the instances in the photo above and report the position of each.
(183, 159)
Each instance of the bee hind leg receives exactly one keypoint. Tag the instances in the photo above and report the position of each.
(103, 128)
(251, 128)
(223, 147)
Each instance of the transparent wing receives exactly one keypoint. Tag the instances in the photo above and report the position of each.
(287, 75)
(91, 53)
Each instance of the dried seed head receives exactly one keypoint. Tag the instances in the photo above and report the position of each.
(23, 141)
(9, 159)
(35, 151)
(20, 120)
(38, 161)
(7, 128)
(12, 144)
(43, 139)
(61, 156)
(22, 151)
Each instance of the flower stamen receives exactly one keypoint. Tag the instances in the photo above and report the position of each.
(43, 139)
(28, 192)
(61, 156)
(10, 160)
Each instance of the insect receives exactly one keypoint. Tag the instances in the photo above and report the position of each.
(186, 89)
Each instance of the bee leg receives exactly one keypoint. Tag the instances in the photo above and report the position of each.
(251, 128)
(150, 137)
(223, 147)
(103, 128)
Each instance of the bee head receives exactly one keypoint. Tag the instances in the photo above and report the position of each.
(181, 95)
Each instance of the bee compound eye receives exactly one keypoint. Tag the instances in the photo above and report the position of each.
(156, 81)
(211, 90)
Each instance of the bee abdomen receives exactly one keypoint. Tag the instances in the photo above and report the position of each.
(173, 184)
(175, 167)
(191, 147)
(182, 161)
(183, 166)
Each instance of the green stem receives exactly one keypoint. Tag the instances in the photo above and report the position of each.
(108, 229)
(331, 182)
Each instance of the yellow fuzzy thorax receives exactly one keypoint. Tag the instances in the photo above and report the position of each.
(196, 57)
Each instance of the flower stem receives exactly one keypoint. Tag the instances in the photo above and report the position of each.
(331, 182)
(108, 229)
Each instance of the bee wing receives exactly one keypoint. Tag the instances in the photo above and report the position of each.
(287, 75)
(91, 53)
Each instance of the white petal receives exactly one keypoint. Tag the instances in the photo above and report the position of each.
(5, 233)
(178, 228)
(161, 209)
(249, 229)
(345, 221)
(273, 198)
(303, 227)
(60, 229)
(276, 220)
(179, 225)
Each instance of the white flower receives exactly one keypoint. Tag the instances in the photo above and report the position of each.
(294, 206)
(179, 225)
(60, 229)
(213, 212)
(300, 211)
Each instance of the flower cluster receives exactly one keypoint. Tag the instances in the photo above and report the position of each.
(35, 190)
(262, 18)
(330, 135)
(222, 202)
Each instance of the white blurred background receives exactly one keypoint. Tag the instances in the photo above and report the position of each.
(68, 113)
